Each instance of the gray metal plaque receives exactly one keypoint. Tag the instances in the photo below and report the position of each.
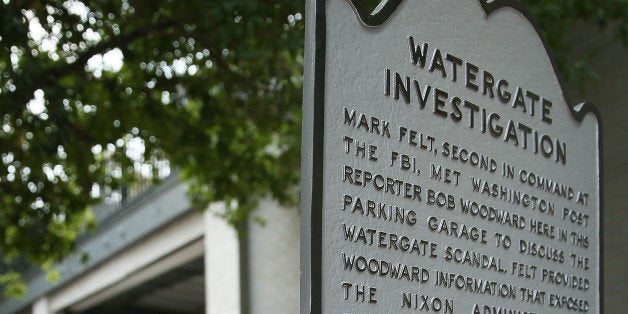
(443, 168)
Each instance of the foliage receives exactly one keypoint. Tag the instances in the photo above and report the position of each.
(212, 88)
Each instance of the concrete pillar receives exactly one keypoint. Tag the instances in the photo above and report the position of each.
(222, 265)
(41, 306)
(273, 259)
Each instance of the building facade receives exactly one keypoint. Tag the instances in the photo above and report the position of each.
(157, 254)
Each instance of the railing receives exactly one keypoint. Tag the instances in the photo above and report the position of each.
(115, 201)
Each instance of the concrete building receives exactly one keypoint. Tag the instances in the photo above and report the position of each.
(157, 254)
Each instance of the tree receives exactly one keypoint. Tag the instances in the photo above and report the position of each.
(101, 93)
(210, 87)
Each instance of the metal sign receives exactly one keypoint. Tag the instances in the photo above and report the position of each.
(443, 169)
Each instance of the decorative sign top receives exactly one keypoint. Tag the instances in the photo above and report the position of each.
(443, 169)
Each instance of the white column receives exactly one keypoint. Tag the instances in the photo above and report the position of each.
(222, 265)
(274, 260)
(41, 306)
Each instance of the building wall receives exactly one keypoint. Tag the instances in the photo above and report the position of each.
(608, 92)
(273, 253)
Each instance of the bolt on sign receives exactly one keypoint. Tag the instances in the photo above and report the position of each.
(444, 170)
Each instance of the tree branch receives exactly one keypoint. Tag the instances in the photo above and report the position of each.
(101, 47)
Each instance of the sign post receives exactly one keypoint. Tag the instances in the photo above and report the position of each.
(443, 168)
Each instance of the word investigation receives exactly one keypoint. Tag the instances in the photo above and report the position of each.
(447, 106)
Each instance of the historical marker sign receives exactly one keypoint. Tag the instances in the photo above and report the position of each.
(444, 170)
